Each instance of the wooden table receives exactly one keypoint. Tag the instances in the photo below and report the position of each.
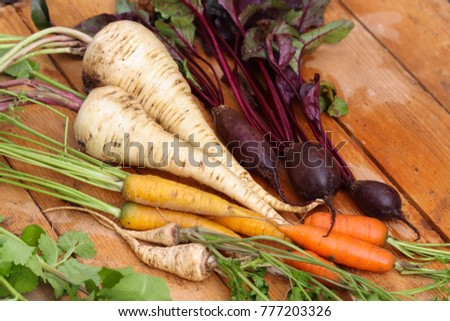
(393, 70)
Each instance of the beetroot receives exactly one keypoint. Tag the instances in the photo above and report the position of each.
(248, 145)
(313, 173)
(379, 200)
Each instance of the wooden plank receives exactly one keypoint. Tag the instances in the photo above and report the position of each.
(400, 125)
(362, 164)
(118, 255)
(417, 33)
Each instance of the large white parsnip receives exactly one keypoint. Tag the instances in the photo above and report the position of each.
(128, 55)
(112, 126)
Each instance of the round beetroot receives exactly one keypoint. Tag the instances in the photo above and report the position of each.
(379, 200)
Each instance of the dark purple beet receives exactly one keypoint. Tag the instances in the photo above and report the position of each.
(313, 173)
(379, 200)
(247, 145)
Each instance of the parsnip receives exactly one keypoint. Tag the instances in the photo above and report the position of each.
(110, 122)
(128, 55)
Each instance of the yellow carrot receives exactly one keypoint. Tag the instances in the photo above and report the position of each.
(140, 217)
(159, 192)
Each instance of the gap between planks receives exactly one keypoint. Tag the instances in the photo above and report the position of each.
(394, 56)
(394, 182)
(358, 142)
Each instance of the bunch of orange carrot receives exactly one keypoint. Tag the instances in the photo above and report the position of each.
(356, 242)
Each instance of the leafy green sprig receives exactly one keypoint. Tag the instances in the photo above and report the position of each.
(35, 258)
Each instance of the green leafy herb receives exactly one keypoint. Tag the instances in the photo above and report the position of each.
(49, 250)
(22, 279)
(78, 243)
(246, 281)
(136, 287)
(35, 257)
(16, 251)
(31, 234)
(78, 273)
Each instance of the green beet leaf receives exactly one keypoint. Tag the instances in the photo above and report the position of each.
(124, 6)
(23, 69)
(172, 8)
(338, 108)
(332, 32)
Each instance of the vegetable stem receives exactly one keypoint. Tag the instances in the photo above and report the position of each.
(239, 274)
(50, 188)
(74, 168)
(34, 101)
(68, 151)
(421, 251)
(27, 49)
(16, 295)
(7, 57)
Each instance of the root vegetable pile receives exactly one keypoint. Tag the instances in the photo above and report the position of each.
(141, 111)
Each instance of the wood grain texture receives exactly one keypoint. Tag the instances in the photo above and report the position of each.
(396, 122)
(417, 34)
(382, 131)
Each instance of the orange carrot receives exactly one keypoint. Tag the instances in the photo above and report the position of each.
(140, 217)
(361, 227)
(340, 248)
(315, 269)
